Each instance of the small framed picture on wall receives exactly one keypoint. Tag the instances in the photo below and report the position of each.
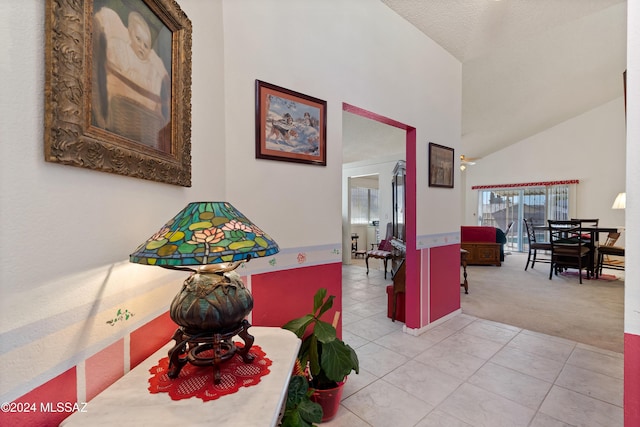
(440, 166)
(290, 126)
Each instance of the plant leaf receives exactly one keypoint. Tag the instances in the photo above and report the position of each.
(314, 359)
(292, 418)
(318, 299)
(303, 353)
(325, 332)
(297, 391)
(354, 359)
(326, 306)
(299, 326)
(310, 411)
(337, 360)
(300, 410)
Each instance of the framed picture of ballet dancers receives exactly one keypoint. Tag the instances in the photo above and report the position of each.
(118, 87)
(440, 166)
(290, 126)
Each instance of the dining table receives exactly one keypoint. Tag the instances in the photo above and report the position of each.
(594, 232)
(594, 237)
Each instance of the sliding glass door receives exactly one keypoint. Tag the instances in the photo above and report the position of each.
(500, 207)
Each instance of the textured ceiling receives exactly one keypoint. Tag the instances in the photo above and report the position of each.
(527, 65)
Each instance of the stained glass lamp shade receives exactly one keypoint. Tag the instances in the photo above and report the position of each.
(205, 233)
(212, 306)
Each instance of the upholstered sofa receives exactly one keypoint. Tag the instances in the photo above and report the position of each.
(485, 244)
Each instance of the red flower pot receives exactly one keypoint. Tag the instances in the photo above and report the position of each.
(329, 399)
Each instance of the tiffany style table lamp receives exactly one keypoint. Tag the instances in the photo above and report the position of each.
(212, 306)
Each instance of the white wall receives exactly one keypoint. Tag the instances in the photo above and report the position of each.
(67, 231)
(632, 254)
(356, 51)
(590, 148)
(76, 217)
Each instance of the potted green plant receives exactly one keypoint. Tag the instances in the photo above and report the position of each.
(300, 411)
(328, 360)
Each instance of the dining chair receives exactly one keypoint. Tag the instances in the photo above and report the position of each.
(568, 249)
(609, 255)
(612, 239)
(589, 237)
(534, 245)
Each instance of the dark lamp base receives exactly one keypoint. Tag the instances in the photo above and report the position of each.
(211, 302)
(219, 346)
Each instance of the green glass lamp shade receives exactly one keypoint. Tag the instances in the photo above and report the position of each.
(205, 233)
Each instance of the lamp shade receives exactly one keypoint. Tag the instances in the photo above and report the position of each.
(205, 233)
(620, 202)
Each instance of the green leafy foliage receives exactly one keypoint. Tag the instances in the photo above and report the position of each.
(329, 359)
(300, 411)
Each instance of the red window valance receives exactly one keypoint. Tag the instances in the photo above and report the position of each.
(526, 184)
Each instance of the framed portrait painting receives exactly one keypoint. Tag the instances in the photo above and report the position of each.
(440, 166)
(118, 87)
(290, 126)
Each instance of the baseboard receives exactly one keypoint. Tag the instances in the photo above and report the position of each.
(419, 331)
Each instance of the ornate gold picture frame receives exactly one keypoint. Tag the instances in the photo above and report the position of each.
(118, 87)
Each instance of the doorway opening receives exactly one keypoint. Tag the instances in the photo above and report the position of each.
(366, 153)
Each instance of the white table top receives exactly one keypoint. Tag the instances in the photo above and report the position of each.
(128, 401)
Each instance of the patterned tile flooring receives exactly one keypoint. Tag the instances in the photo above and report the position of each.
(468, 371)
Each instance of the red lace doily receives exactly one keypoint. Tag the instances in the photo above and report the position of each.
(198, 380)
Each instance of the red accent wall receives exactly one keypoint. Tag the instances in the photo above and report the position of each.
(61, 389)
(284, 295)
(413, 279)
(444, 279)
(148, 338)
(631, 380)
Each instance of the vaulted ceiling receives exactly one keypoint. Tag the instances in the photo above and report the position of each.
(527, 65)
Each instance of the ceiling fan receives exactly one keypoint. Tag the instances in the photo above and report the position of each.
(467, 161)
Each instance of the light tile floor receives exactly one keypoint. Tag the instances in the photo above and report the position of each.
(468, 371)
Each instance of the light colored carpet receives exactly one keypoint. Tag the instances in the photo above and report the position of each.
(591, 313)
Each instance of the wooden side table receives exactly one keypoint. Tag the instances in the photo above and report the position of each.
(463, 262)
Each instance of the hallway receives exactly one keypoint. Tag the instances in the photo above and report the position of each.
(468, 371)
